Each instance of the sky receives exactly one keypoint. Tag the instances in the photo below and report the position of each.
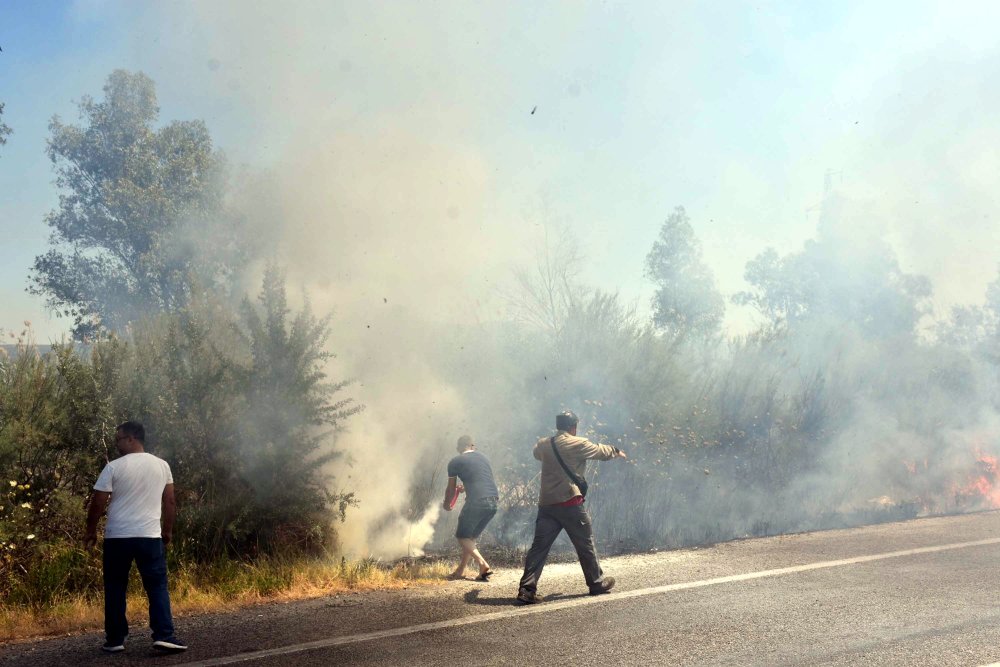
(411, 160)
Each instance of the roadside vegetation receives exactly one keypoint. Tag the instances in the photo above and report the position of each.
(851, 401)
(847, 405)
(225, 585)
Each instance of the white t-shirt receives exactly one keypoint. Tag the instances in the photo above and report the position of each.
(135, 482)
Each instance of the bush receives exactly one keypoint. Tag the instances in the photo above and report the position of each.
(237, 403)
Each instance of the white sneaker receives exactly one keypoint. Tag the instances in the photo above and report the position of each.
(110, 647)
(172, 645)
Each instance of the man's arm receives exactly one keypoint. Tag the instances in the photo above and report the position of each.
(98, 504)
(451, 494)
(169, 512)
(593, 450)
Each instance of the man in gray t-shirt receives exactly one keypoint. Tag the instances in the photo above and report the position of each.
(481, 496)
(137, 489)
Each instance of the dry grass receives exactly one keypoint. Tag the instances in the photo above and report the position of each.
(222, 587)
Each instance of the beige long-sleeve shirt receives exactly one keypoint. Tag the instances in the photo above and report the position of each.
(556, 486)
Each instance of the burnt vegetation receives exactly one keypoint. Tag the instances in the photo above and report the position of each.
(848, 404)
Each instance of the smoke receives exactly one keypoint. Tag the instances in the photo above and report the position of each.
(384, 230)
(398, 161)
(374, 209)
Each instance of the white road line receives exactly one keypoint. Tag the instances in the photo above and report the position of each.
(577, 602)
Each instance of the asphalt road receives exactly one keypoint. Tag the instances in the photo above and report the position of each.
(922, 592)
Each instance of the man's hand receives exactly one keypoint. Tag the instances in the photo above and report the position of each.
(169, 512)
(451, 493)
(460, 489)
(90, 541)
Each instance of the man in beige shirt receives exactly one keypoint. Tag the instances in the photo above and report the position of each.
(560, 506)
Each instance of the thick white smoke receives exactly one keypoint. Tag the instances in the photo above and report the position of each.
(401, 153)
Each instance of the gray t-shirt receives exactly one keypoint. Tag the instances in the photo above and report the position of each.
(476, 474)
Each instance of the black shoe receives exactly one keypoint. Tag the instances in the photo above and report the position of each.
(604, 587)
(113, 647)
(171, 645)
(524, 598)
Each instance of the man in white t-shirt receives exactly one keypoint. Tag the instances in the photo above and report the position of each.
(136, 489)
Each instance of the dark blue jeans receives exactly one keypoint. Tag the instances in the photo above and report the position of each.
(150, 557)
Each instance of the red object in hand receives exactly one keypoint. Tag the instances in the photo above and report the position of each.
(453, 500)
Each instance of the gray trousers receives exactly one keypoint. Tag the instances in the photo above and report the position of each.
(551, 520)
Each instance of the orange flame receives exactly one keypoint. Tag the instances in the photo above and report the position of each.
(984, 485)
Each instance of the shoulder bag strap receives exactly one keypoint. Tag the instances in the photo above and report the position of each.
(579, 481)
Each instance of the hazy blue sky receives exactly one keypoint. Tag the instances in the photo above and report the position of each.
(733, 110)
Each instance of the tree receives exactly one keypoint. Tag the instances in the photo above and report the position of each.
(839, 279)
(782, 286)
(292, 413)
(125, 237)
(240, 405)
(549, 294)
(4, 128)
(966, 327)
(991, 309)
(686, 299)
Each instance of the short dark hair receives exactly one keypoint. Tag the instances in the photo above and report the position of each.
(566, 420)
(133, 430)
(465, 442)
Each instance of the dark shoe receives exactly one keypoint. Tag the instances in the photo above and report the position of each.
(524, 598)
(172, 645)
(604, 587)
(485, 576)
(113, 647)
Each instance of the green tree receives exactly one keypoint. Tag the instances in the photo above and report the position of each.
(781, 286)
(4, 128)
(686, 299)
(125, 237)
(291, 417)
(240, 405)
(840, 281)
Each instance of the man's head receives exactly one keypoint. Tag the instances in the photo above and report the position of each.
(567, 421)
(130, 437)
(465, 444)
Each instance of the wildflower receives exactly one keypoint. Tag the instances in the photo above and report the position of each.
(13, 483)
(26, 506)
(31, 537)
